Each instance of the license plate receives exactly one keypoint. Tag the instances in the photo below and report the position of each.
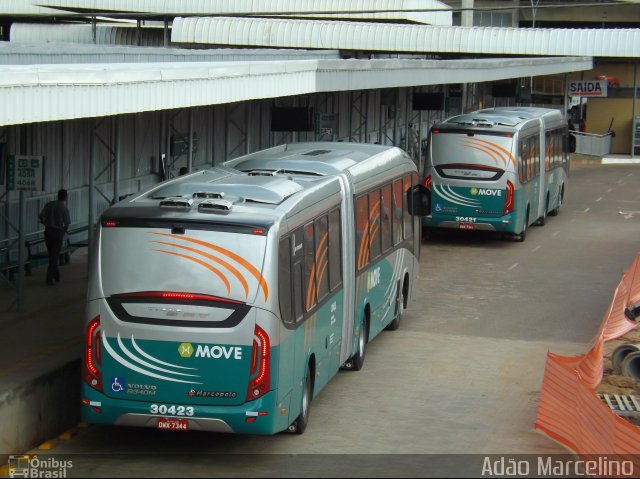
(173, 424)
(467, 226)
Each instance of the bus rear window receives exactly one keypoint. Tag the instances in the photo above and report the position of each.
(494, 152)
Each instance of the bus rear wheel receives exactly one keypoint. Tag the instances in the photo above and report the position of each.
(522, 236)
(301, 422)
(556, 210)
(357, 361)
(401, 302)
(543, 219)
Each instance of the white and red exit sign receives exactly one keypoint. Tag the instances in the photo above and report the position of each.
(597, 88)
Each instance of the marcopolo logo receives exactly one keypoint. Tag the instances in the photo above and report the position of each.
(484, 192)
(186, 350)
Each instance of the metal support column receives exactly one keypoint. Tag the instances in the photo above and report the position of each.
(165, 31)
(21, 228)
(91, 220)
(358, 116)
(634, 112)
(236, 121)
(190, 142)
(116, 162)
(21, 255)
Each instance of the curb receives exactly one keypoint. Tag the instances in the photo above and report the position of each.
(34, 412)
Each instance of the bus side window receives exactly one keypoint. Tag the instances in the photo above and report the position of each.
(397, 212)
(335, 250)
(549, 139)
(385, 213)
(309, 268)
(522, 157)
(362, 232)
(536, 158)
(297, 260)
(374, 224)
(284, 280)
(322, 256)
(408, 220)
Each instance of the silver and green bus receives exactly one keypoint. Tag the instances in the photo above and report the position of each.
(226, 299)
(499, 169)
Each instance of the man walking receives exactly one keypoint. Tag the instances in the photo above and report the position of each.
(55, 218)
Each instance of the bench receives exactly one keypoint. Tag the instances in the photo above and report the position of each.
(68, 246)
(8, 268)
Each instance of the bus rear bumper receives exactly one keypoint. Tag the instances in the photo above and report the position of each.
(262, 416)
(467, 226)
(501, 224)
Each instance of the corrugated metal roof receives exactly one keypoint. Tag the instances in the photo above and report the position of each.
(105, 34)
(16, 8)
(371, 9)
(31, 94)
(406, 38)
(60, 53)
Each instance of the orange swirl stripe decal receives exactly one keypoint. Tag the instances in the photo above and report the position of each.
(363, 257)
(487, 151)
(239, 259)
(206, 265)
(503, 154)
(230, 267)
(322, 261)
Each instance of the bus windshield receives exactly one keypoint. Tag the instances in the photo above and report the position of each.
(471, 154)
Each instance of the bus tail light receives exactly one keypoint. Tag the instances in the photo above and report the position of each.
(260, 373)
(92, 353)
(508, 199)
(427, 182)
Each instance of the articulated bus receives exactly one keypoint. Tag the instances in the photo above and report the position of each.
(499, 169)
(226, 299)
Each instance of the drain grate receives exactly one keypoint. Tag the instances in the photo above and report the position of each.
(622, 404)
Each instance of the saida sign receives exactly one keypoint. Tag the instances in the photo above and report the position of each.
(588, 88)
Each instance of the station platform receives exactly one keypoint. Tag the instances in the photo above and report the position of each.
(39, 357)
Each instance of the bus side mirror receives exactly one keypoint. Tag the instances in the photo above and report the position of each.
(419, 200)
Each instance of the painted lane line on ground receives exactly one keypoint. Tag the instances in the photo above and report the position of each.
(599, 199)
(512, 266)
(587, 210)
(535, 249)
(609, 190)
(555, 233)
(628, 214)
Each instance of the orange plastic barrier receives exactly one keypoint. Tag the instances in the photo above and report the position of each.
(569, 411)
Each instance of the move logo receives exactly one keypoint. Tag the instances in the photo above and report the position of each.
(373, 279)
(484, 192)
(186, 350)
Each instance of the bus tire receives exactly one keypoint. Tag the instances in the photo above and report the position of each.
(543, 219)
(522, 236)
(556, 210)
(357, 361)
(301, 422)
(400, 302)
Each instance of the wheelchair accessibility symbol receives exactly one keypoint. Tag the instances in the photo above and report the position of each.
(118, 384)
